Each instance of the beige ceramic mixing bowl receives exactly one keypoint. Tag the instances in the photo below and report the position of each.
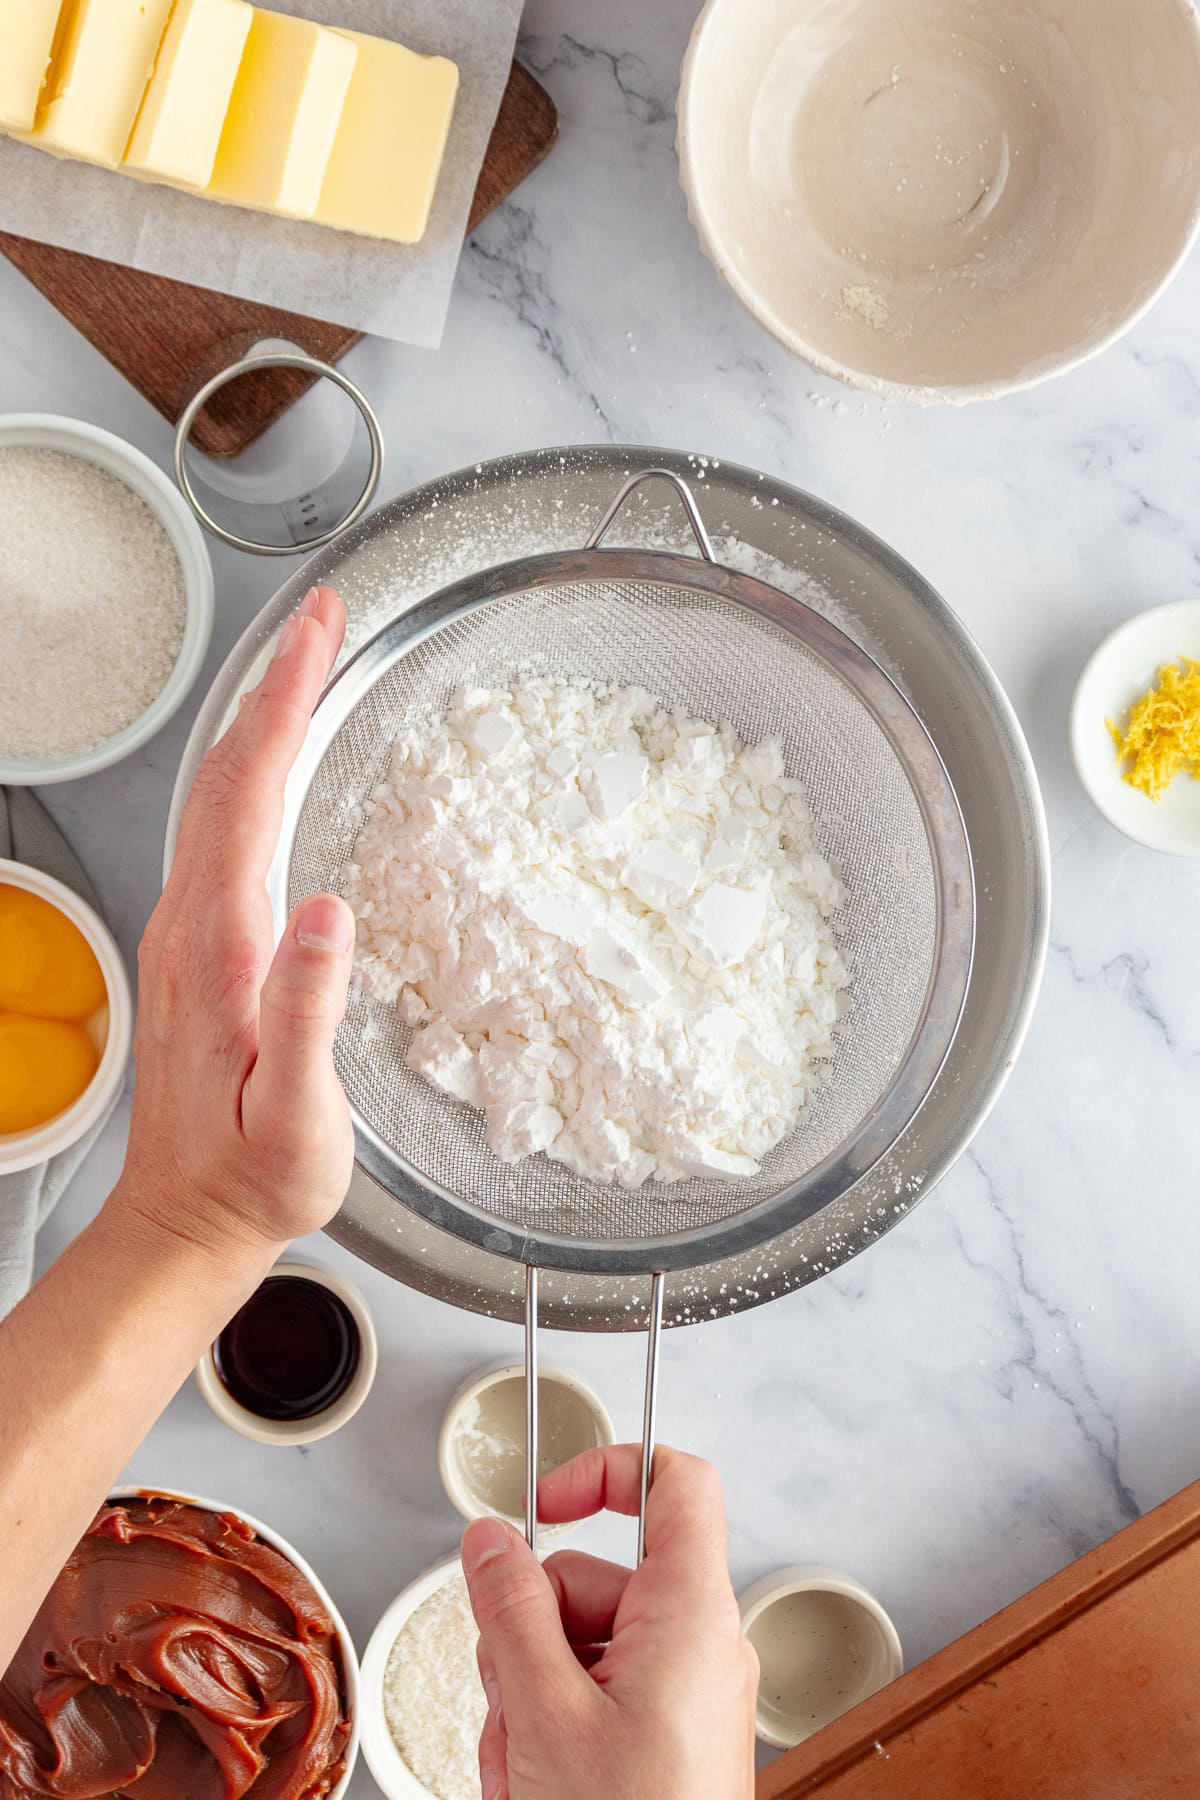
(940, 199)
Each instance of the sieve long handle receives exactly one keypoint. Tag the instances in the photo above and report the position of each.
(650, 1411)
(699, 530)
(531, 1405)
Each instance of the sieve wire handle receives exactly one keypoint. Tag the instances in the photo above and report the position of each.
(531, 1405)
(649, 1411)
(688, 499)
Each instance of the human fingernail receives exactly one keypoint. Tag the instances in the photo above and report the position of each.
(483, 1542)
(491, 1688)
(287, 637)
(490, 1784)
(326, 924)
(311, 601)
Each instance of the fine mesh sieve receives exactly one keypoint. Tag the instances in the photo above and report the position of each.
(723, 647)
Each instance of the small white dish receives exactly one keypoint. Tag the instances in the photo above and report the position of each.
(824, 1645)
(322, 1424)
(1119, 672)
(110, 1029)
(350, 1668)
(481, 1445)
(383, 1758)
(939, 202)
(75, 437)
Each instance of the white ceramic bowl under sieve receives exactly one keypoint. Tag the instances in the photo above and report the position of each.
(75, 437)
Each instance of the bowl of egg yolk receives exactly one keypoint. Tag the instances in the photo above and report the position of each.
(66, 1017)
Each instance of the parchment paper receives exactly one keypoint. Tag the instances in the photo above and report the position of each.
(395, 290)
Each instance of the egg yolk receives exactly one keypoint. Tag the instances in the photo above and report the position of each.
(45, 1064)
(47, 967)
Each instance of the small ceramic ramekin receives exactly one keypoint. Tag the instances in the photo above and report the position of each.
(111, 1029)
(350, 1669)
(1119, 672)
(332, 1418)
(481, 1445)
(391, 1772)
(75, 437)
(824, 1644)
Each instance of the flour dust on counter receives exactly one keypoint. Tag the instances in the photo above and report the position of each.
(609, 926)
(92, 605)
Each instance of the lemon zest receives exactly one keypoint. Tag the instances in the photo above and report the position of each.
(1162, 738)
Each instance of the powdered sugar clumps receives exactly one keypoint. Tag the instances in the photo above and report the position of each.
(609, 926)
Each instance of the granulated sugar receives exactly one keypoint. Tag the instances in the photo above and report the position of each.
(92, 605)
(432, 1697)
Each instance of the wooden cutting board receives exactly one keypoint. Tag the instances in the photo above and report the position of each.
(167, 337)
(1086, 1689)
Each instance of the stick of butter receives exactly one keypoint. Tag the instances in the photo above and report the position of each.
(28, 32)
(103, 57)
(179, 127)
(283, 115)
(387, 154)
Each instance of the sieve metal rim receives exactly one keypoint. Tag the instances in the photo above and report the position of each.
(946, 990)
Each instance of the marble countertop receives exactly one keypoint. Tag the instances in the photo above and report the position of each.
(1013, 1373)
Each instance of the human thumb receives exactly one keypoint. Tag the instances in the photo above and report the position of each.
(302, 1002)
(520, 1628)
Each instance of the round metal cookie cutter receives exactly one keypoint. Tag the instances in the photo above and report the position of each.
(310, 520)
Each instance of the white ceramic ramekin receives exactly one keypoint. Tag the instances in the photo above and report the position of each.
(278, 1542)
(111, 1029)
(853, 1646)
(586, 1424)
(75, 437)
(384, 1760)
(320, 1425)
(1119, 672)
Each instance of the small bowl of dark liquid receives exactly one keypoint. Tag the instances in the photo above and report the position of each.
(296, 1362)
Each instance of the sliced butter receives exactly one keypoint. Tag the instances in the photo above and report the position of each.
(388, 151)
(283, 115)
(27, 34)
(183, 114)
(102, 60)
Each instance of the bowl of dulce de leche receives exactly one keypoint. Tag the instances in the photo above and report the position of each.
(185, 1649)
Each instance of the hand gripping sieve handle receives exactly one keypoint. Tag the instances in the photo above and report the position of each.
(649, 1412)
(699, 529)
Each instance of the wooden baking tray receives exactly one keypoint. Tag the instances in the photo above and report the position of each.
(166, 337)
(1086, 1689)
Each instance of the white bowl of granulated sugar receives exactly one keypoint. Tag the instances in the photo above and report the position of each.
(420, 1702)
(106, 599)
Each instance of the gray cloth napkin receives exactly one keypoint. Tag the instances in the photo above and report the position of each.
(29, 835)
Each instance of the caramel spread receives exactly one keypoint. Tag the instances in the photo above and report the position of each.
(177, 1657)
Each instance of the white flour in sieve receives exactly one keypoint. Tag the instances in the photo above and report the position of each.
(432, 1698)
(609, 925)
(92, 605)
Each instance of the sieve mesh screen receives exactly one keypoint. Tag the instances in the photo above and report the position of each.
(721, 662)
